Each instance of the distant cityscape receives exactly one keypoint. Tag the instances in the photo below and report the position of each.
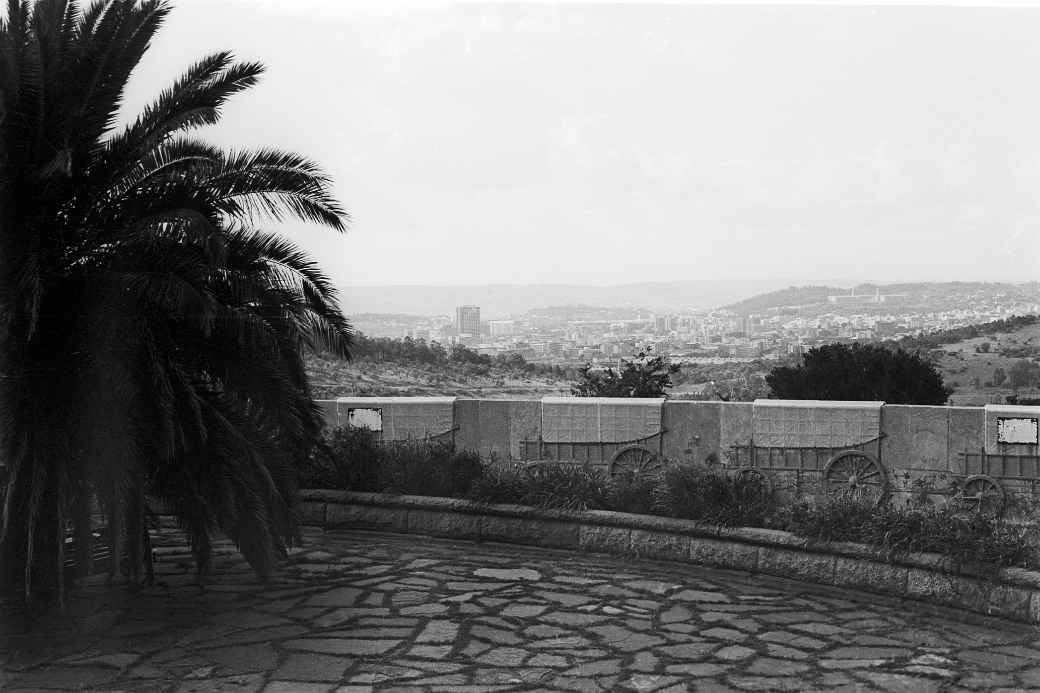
(762, 328)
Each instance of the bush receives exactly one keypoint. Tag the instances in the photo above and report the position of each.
(345, 458)
(966, 538)
(428, 469)
(354, 459)
(698, 493)
(633, 494)
(566, 487)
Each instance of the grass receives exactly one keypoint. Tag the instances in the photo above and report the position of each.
(355, 460)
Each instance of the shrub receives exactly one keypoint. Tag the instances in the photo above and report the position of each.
(428, 469)
(346, 458)
(964, 537)
(699, 493)
(630, 493)
(552, 485)
(354, 459)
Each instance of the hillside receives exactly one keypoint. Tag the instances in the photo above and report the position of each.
(902, 297)
(331, 378)
(790, 297)
(992, 366)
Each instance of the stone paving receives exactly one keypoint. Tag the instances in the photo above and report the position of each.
(356, 611)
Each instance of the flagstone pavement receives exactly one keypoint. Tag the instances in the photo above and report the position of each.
(361, 611)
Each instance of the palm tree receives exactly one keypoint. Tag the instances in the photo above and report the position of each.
(151, 331)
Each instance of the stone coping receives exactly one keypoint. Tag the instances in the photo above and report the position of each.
(1010, 593)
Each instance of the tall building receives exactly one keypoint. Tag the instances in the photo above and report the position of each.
(467, 320)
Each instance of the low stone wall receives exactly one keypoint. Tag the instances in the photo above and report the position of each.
(1013, 593)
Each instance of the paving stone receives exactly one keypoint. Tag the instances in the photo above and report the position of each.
(626, 640)
(783, 652)
(852, 663)
(986, 680)
(312, 667)
(930, 671)
(501, 637)
(818, 628)
(564, 641)
(764, 683)
(688, 650)
(676, 614)
(240, 684)
(725, 634)
(569, 618)
(698, 670)
(504, 657)
(343, 646)
(644, 661)
(342, 596)
(430, 651)
(66, 677)
(605, 666)
(424, 610)
(654, 586)
(243, 658)
(700, 596)
(649, 682)
(792, 640)
(474, 648)
(508, 573)
(733, 653)
(438, 631)
(338, 616)
(768, 666)
(548, 660)
(867, 653)
(565, 598)
(523, 610)
(900, 683)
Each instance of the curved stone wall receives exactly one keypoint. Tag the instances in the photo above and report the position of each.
(1013, 593)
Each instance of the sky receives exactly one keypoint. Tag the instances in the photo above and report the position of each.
(605, 143)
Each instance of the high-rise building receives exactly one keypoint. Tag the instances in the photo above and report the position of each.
(467, 320)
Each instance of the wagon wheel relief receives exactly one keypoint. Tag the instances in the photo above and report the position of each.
(635, 461)
(858, 472)
(982, 493)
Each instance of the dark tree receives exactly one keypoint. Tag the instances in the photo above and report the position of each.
(1024, 373)
(151, 331)
(643, 376)
(860, 372)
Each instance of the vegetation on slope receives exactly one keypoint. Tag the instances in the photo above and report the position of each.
(384, 366)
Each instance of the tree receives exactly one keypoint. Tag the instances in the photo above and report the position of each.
(860, 372)
(151, 334)
(1024, 373)
(999, 376)
(643, 376)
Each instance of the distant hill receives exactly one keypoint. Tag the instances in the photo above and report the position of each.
(499, 300)
(791, 296)
(921, 295)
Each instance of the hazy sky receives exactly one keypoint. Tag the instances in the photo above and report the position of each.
(612, 143)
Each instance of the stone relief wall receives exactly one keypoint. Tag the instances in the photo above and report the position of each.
(793, 441)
